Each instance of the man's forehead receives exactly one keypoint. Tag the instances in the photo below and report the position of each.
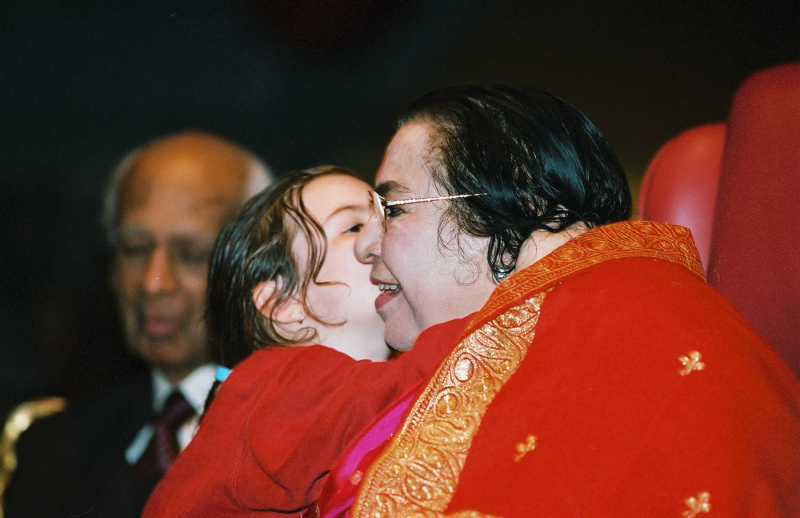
(192, 198)
(178, 189)
(142, 185)
(168, 213)
(195, 168)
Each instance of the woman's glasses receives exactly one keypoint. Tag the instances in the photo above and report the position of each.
(382, 205)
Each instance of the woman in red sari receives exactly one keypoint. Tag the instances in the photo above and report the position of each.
(598, 375)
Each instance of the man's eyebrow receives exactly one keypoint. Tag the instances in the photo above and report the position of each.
(186, 237)
(392, 188)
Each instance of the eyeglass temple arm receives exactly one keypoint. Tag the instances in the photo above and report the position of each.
(389, 203)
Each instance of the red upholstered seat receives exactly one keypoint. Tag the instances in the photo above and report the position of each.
(680, 185)
(742, 201)
(755, 245)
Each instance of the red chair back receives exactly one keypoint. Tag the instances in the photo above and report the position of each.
(755, 244)
(680, 185)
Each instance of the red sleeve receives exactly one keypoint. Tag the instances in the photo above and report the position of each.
(294, 436)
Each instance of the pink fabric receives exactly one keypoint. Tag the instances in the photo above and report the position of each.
(342, 483)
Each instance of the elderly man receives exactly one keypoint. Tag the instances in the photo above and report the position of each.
(594, 373)
(164, 206)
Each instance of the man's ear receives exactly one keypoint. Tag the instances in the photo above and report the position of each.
(289, 311)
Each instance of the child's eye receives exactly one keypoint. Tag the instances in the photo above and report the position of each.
(355, 229)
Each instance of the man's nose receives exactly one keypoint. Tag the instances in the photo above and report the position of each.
(368, 242)
(159, 276)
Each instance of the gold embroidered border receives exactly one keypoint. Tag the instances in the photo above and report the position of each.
(627, 239)
(418, 473)
(435, 514)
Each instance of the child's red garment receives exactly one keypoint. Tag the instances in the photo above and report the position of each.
(277, 425)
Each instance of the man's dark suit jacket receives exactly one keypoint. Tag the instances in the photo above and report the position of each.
(73, 463)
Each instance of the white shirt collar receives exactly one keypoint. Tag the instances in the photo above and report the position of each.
(194, 387)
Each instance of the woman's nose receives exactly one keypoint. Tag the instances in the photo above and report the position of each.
(368, 242)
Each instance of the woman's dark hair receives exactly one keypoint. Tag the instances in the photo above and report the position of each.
(255, 246)
(543, 164)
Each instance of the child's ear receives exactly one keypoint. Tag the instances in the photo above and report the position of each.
(289, 311)
(261, 297)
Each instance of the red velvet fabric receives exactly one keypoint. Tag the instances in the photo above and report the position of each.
(755, 249)
(680, 185)
(277, 425)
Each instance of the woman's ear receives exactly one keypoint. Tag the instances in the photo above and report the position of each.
(289, 311)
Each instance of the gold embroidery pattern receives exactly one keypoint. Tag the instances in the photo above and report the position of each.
(699, 504)
(524, 447)
(627, 239)
(419, 471)
(423, 513)
(691, 363)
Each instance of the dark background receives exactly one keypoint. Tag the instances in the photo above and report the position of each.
(301, 82)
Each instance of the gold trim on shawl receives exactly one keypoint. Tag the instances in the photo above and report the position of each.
(624, 240)
(419, 471)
